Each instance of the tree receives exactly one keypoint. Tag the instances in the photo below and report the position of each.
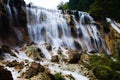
(106, 8)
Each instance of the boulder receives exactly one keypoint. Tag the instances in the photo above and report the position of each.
(17, 65)
(41, 76)
(59, 51)
(55, 58)
(34, 52)
(12, 64)
(7, 49)
(85, 58)
(9, 21)
(33, 70)
(5, 74)
(48, 46)
(73, 56)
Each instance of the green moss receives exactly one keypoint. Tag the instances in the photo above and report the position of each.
(58, 76)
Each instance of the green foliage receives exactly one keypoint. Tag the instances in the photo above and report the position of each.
(98, 8)
(62, 6)
(103, 73)
(105, 68)
(106, 8)
(117, 49)
(82, 5)
(58, 76)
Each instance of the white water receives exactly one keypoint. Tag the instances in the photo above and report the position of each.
(76, 75)
(51, 26)
(21, 56)
(114, 24)
(45, 51)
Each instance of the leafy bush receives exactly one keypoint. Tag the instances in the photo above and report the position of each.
(104, 68)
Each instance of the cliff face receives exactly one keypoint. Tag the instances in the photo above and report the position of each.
(13, 22)
(112, 39)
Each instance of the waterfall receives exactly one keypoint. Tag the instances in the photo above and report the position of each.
(16, 15)
(115, 25)
(52, 26)
(49, 26)
(9, 13)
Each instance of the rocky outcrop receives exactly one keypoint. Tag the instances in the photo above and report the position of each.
(73, 56)
(33, 70)
(6, 49)
(85, 58)
(48, 46)
(36, 72)
(13, 22)
(5, 74)
(14, 64)
(34, 53)
(55, 58)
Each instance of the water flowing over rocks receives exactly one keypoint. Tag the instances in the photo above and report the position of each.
(33, 70)
(34, 52)
(28, 68)
(42, 44)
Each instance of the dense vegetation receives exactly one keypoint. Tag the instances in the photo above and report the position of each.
(99, 9)
(106, 68)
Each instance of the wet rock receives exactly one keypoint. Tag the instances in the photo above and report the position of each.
(85, 58)
(9, 21)
(73, 56)
(31, 43)
(16, 51)
(7, 49)
(33, 70)
(34, 52)
(1, 57)
(41, 76)
(77, 45)
(69, 77)
(55, 58)
(5, 74)
(59, 51)
(1, 54)
(86, 20)
(92, 51)
(17, 65)
(48, 46)
(12, 64)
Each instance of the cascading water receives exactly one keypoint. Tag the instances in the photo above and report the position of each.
(91, 38)
(52, 27)
(16, 15)
(49, 26)
(114, 24)
(9, 13)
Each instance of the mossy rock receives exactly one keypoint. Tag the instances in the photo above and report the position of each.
(58, 76)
